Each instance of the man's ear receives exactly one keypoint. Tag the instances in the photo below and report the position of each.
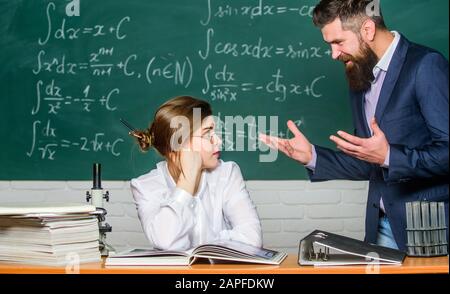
(368, 30)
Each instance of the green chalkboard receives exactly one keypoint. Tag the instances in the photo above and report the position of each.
(67, 79)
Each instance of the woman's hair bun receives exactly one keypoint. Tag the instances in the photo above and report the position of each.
(144, 139)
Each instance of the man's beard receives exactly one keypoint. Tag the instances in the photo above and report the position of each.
(360, 71)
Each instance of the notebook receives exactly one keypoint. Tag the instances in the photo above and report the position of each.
(219, 252)
(326, 249)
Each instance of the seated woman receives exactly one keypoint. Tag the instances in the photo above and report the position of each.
(192, 197)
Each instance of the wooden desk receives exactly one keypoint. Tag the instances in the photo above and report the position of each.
(289, 266)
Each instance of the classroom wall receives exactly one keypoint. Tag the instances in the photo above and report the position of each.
(288, 210)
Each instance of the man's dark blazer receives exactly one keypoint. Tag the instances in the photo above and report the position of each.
(413, 113)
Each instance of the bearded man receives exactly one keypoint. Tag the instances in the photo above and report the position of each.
(399, 95)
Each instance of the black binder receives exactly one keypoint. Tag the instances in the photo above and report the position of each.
(326, 249)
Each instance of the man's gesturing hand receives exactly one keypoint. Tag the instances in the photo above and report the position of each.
(297, 148)
(372, 150)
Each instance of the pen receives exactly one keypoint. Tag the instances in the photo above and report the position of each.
(125, 123)
(132, 131)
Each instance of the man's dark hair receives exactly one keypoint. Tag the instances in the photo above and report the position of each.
(352, 13)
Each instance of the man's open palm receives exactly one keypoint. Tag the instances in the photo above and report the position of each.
(297, 148)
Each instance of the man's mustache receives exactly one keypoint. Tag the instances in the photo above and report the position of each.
(346, 58)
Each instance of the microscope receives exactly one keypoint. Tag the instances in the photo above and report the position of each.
(96, 196)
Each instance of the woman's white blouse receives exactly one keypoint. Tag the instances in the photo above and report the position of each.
(173, 219)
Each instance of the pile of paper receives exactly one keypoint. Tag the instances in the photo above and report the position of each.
(48, 234)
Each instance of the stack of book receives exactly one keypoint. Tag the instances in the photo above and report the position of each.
(53, 235)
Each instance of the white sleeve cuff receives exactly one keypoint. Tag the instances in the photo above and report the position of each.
(312, 164)
(387, 159)
(182, 199)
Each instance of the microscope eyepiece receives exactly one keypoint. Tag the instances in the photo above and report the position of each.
(97, 176)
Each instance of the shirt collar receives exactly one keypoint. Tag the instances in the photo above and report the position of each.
(385, 61)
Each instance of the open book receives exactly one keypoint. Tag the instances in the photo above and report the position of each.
(326, 249)
(219, 252)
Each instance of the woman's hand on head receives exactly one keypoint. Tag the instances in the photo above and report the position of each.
(191, 166)
(191, 163)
